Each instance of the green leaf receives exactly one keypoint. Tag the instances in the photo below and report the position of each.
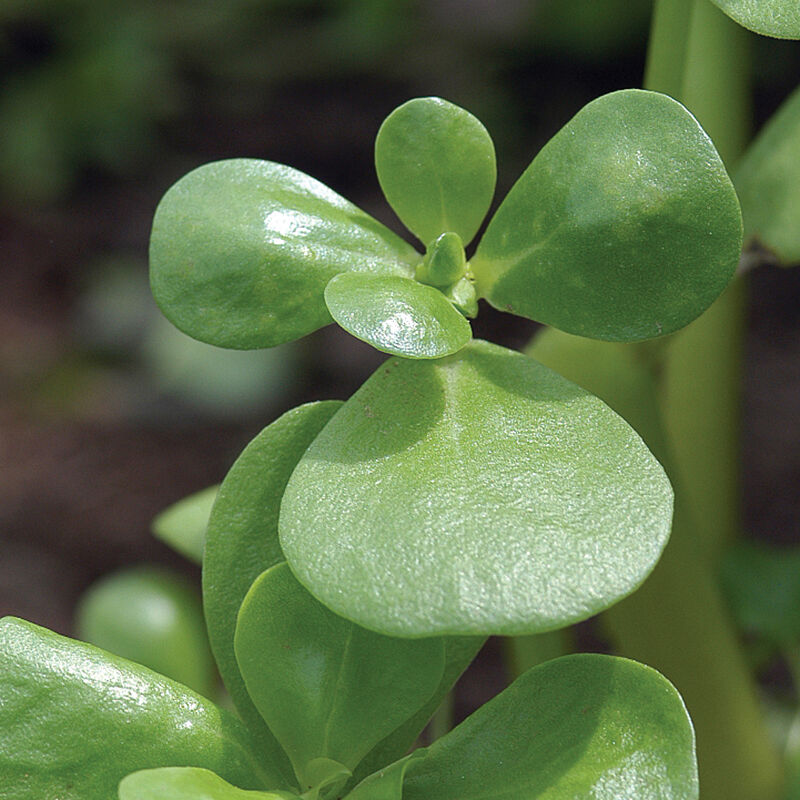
(624, 227)
(76, 720)
(326, 687)
(778, 18)
(436, 166)
(459, 651)
(187, 783)
(762, 585)
(183, 525)
(582, 726)
(768, 183)
(477, 494)
(241, 251)
(387, 783)
(153, 617)
(242, 541)
(397, 315)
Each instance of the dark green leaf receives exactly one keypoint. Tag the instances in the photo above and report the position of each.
(459, 651)
(183, 525)
(778, 18)
(326, 687)
(153, 617)
(76, 720)
(582, 726)
(768, 183)
(241, 251)
(476, 494)
(242, 541)
(187, 783)
(397, 315)
(436, 166)
(387, 783)
(625, 226)
(762, 585)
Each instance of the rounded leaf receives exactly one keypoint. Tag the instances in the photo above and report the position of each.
(241, 251)
(481, 493)
(436, 166)
(76, 720)
(187, 783)
(624, 227)
(768, 183)
(242, 540)
(326, 687)
(183, 524)
(778, 18)
(582, 726)
(397, 315)
(153, 617)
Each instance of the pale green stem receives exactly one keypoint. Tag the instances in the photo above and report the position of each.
(677, 622)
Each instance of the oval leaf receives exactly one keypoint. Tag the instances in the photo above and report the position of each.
(624, 227)
(326, 687)
(397, 315)
(436, 166)
(183, 525)
(187, 783)
(768, 183)
(153, 617)
(76, 720)
(242, 541)
(481, 493)
(778, 18)
(241, 251)
(582, 726)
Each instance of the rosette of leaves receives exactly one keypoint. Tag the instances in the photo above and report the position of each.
(81, 724)
(464, 489)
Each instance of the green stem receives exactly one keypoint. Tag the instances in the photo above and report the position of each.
(520, 653)
(677, 622)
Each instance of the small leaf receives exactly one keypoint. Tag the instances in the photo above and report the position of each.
(768, 183)
(241, 251)
(183, 525)
(778, 18)
(762, 585)
(476, 494)
(397, 315)
(187, 783)
(582, 726)
(387, 783)
(153, 617)
(436, 166)
(76, 720)
(444, 261)
(242, 541)
(624, 227)
(327, 688)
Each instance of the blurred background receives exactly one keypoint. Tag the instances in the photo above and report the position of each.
(107, 413)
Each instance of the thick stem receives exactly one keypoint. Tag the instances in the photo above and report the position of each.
(677, 622)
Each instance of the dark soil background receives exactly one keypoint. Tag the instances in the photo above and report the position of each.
(102, 110)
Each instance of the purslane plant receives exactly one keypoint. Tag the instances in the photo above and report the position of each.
(464, 490)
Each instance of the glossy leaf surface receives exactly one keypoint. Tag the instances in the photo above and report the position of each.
(241, 251)
(326, 687)
(779, 18)
(481, 493)
(583, 726)
(242, 539)
(768, 183)
(436, 166)
(183, 525)
(624, 227)
(76, 720)
(153, 617)
(397, 315)
(187, 783)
